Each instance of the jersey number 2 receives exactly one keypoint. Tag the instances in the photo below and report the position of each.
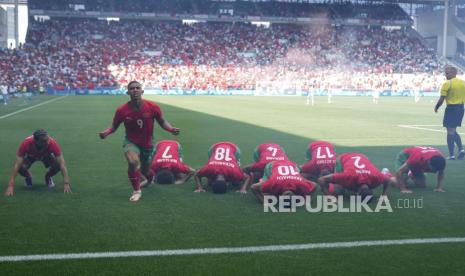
(357, 162)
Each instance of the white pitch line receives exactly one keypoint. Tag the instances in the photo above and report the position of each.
(426, 125)
(31, 107)
(424, 128)
(227, 250)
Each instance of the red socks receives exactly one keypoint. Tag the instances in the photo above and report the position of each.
(134, 177)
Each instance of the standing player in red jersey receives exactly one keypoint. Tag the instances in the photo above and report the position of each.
(320, 160)
(264, 154)
(167, 163)
(355, 172)
(414, 162)
(39, 147)
(222, 169)
(138, 116)
(282, 177)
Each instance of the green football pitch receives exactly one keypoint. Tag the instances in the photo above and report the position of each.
(98, 217)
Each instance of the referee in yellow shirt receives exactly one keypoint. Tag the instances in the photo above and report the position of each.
(453, 91)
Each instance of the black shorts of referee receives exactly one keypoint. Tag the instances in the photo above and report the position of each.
(453, 116)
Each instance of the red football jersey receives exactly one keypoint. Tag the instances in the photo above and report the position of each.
(168, 155)
(266, 153)
(281, 176)
(320, 156)
(419, 157)
(28, 148)
(223, 159)
(357, 170)
(138, 123)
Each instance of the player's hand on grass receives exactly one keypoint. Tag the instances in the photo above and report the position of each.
(199, 190)
(439, 190)
(175, 131)
(66, 188)
(406, 191)
(178, 182)
(10, 190)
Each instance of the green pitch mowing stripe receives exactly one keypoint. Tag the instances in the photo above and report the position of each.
(225, 250)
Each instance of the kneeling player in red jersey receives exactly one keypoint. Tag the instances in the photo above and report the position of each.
(167, 164)
(39, 147)
(414, 162)
(264, 154)
(320, 160)
(282, 177)
(222, 169)
(355, 172)
(138, 116)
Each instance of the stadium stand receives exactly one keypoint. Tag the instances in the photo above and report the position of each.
(87, 53)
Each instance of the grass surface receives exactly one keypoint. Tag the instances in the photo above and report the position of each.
(98, 217)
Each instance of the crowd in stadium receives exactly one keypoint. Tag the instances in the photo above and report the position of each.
(84, 54)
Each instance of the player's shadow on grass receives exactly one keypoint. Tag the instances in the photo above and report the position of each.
(201, 130)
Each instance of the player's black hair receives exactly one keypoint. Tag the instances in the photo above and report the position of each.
(438, 163)
(165, 177)
(256, 176)
(219, 186)
(131, 82)
(39, 133)
(365, 191)
(288, 193)
(324, 172)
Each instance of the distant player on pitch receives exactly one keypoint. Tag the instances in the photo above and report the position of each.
(222, 169)
(138, 116)
(413, 162)
(39, 147)
(167, 164)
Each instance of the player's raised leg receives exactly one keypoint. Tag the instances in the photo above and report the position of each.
(134, 171)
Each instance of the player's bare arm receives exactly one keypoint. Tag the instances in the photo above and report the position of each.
(323, 181)
(185, 177)
(245, 186)
(168, 127)
(109, 130)
(64, 172)
(387, 185)
(440, 182)
(11, 183)
(198, 183)
(400, 179)
(257, 191)
(439, 103)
